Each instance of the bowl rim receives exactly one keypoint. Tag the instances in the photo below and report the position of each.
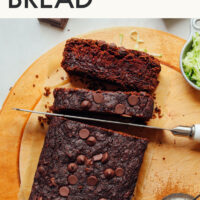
(181, 65)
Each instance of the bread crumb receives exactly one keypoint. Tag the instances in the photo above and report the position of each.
(47, 91)
(42, 121)
(158, 112)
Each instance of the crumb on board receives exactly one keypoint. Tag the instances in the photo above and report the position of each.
(163, 158)
(47, 92)
(13, 93)
(157, 111)
(36, 76)
(33, 85)
(153, 116)
(42, 121)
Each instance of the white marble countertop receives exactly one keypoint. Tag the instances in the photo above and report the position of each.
(22, 41)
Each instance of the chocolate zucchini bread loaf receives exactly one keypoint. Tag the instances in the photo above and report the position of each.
(83, 162)
(138, 105)
(129, 69)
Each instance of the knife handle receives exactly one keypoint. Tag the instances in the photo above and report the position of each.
(196, 132)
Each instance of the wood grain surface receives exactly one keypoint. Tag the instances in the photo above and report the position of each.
(171, 164)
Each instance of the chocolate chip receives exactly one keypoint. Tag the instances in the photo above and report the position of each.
(72, 179)
(41, 170)
(64, 191)
(98, 97)
(97, 157)
(119, 171)
(105, 158)
(119, 109)
(85, 104)
(81, 159)
(84, 133)
(109, 173)
(72, 167)
(92, 180)
(91, 141)
(133, 100)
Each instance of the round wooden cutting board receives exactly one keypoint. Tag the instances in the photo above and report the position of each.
(171, 164)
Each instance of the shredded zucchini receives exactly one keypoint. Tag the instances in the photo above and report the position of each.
(134, 35)
(155, 54)
(191, 62)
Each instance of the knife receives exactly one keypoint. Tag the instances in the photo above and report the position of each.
(189, 131)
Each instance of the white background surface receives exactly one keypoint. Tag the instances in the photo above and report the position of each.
(104, 9)
(22, 41)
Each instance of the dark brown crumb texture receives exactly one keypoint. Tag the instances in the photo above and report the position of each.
(138, 105)
(82, 162)
(129, 69)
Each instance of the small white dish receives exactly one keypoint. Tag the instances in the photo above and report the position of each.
(195, 27)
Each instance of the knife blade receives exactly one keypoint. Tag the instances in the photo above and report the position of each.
(88, 119)
(190, 131)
